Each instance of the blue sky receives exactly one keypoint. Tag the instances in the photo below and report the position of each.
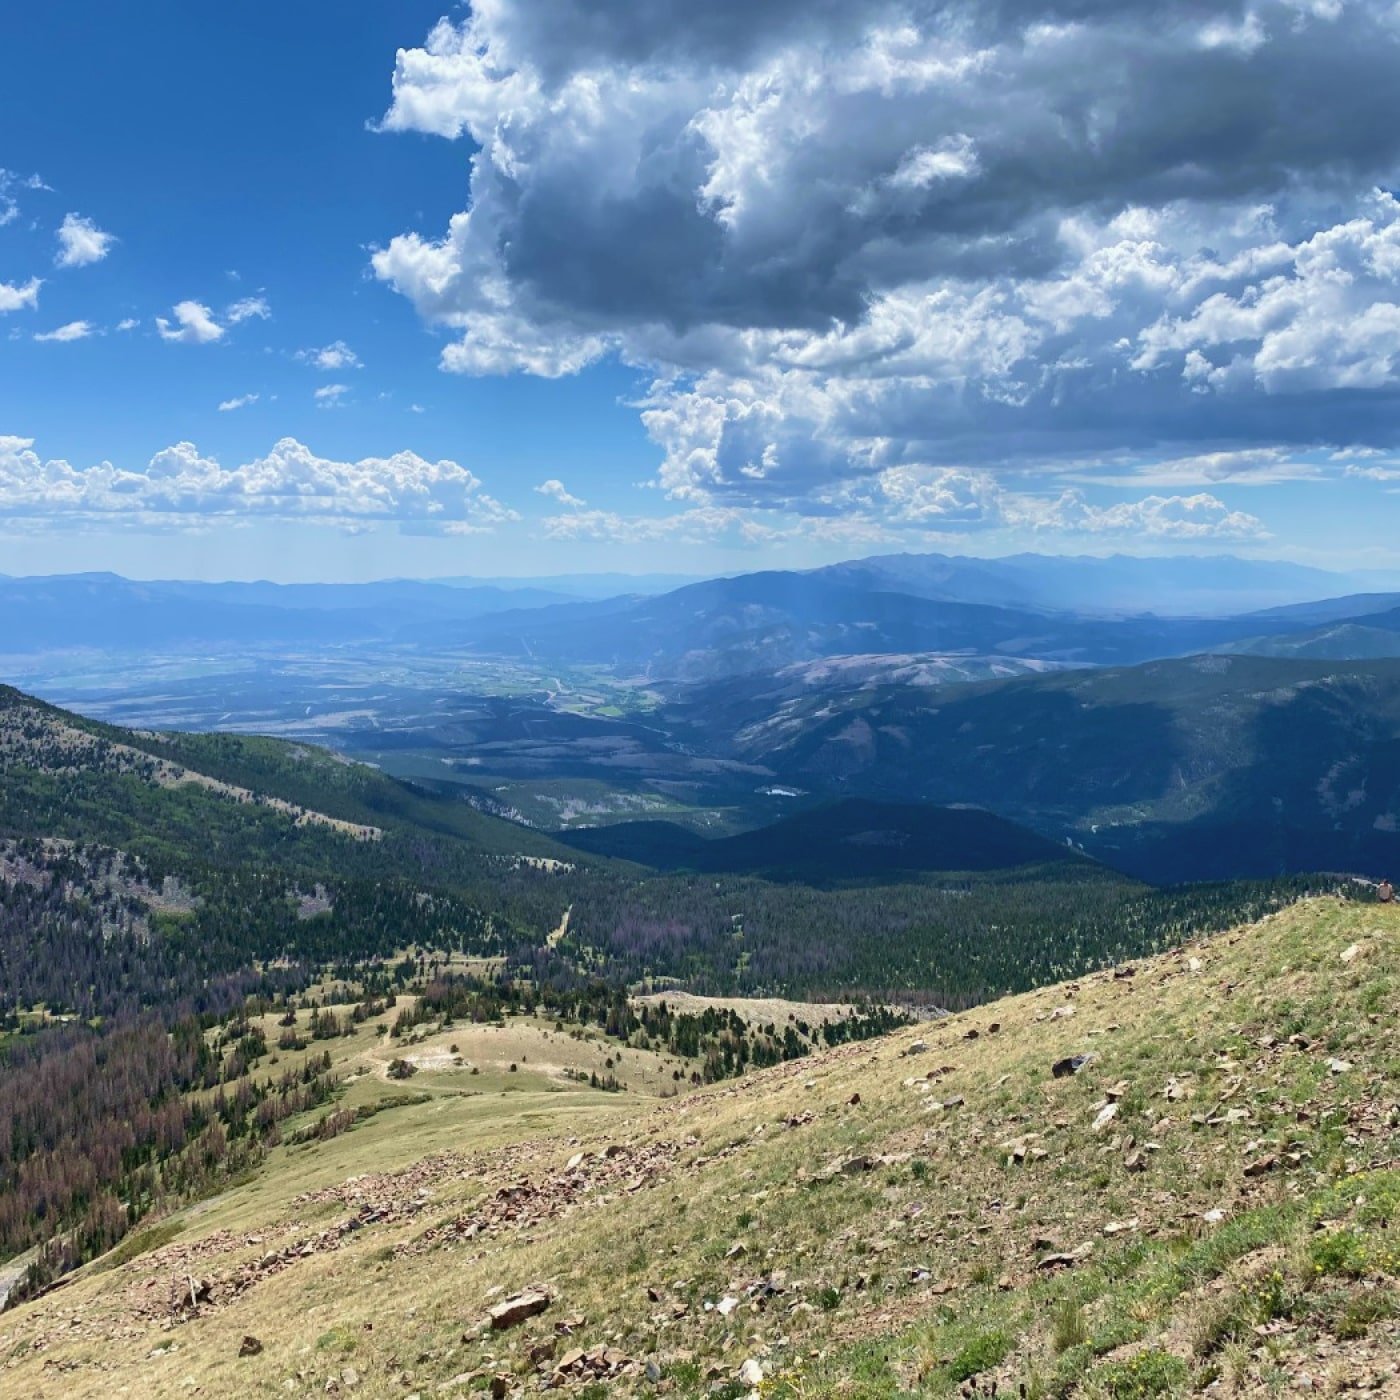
(329, 291)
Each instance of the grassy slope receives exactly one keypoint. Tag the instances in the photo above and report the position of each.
(908, 1277)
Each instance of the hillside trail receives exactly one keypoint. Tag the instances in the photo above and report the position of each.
(559, 934)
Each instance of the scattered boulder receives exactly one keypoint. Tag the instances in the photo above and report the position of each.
(751, 1373)
(1106, 1115)
(518, 1308)
(251, 1346)
(1071, 1064)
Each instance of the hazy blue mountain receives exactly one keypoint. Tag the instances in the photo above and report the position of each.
(1176, 585)
(1354, 628)
(109, 612)
(764, 621)
(1349, 606)
(753, 623)
(604, 585)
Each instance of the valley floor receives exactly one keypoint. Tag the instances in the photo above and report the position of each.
(1209, 1199)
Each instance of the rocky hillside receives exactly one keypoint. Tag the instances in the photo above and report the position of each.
(1167, 1177)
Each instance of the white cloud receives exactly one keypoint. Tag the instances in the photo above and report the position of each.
(181, 487)
(1323, 313)
(81, 242)
(332, 358)
(843, 236)
(1198, 517)
(19, 296)
(74, 330)
(10, 181)
(247, 308)
(329, 395)
(242, 401)
(697, 526)
(193, 324)
(556, 489)
(1254, 466)
(962, 499)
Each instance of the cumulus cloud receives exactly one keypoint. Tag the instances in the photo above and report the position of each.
(964, 499)
(191, 323)
(241, 401)
(74, 330)
(556, 489)
(16, 296)
(329, 395)
(81, 242)
(182, 487)
(247, 308)
(842, 238)
(332, 358)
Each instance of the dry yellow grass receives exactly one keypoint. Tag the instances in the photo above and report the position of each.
(963, 1219)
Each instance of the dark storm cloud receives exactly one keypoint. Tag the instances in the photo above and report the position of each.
(854, 236)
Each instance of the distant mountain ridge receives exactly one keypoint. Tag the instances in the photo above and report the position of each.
(845, 840)
(1109, 585)
(1204, 767)
(1088, 610)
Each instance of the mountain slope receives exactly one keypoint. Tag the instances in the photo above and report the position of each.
(1212, 1199)
(848, 840)
(1204, 767)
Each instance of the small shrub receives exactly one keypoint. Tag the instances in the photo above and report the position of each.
(1145, 1376)
(980, 1354)
(1338, 1252)
(1362, 1312)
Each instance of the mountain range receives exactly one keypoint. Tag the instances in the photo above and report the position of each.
(1094, 611)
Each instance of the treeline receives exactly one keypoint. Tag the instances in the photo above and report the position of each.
(951, 942)
(718, 1041)
(100, 1127)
